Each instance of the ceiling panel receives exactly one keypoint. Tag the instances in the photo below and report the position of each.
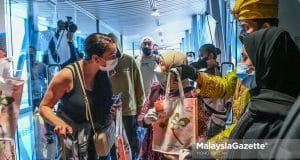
(132, 18)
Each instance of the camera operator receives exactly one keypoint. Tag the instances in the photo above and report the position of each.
(61, 48)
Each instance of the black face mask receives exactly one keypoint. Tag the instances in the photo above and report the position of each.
(242, 35)
(204, 58)
(147, 51)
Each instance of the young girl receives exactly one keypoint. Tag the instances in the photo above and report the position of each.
(148, 115)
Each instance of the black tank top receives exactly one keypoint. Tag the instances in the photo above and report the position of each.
(73, 105)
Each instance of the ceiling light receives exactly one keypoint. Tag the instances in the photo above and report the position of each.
(155, 13)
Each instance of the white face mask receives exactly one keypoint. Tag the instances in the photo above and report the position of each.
(110, 65)
(190, 59)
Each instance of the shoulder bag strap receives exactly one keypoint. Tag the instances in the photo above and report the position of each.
(86, 100)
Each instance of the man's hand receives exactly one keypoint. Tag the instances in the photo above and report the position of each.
(187, 71)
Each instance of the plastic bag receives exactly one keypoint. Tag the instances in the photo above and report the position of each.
(123, 149)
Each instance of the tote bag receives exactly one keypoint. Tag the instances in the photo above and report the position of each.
(11, 90)
(177, 117)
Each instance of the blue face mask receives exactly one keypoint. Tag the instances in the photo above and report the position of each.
(241, 70)
(147, 51)
(247, 79)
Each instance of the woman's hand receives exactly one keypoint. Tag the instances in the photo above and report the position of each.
(62, 130)
(151, 116)
(185, 154)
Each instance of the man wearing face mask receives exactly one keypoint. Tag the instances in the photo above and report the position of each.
(128, 81)
(147, 62)
(38, 78)
(38, 87)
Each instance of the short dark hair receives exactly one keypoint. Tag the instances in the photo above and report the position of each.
(210, 48)
(272, 21)
(96, 44)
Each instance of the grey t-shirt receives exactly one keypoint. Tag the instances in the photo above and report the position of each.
(147, 66)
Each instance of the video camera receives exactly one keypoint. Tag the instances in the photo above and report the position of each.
(68, 25)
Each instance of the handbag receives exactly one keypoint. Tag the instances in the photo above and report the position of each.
(103, 139)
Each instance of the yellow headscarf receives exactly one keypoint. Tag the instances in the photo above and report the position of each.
(255, 9)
